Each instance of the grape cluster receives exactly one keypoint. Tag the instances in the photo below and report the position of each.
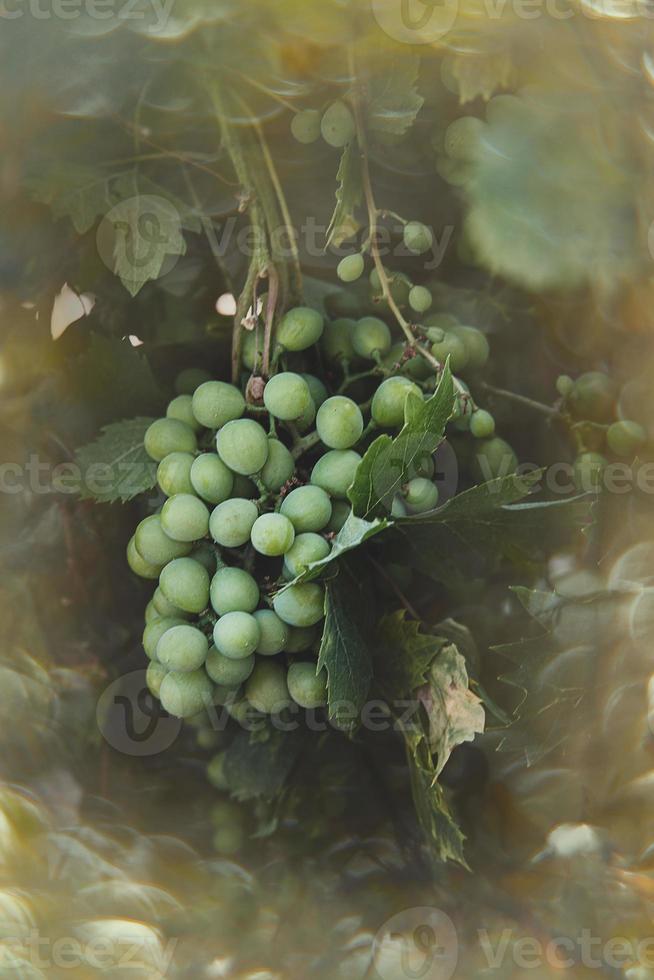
(336, 125)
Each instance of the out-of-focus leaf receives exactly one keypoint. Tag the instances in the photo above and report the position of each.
(116, 466)
(260, 767)
(393, 99)
(112, 379)
(349, 193)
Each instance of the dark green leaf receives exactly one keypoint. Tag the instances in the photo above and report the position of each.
(116, 466)
(436, 819)
(260, 767)
(80, 193)
(113, 379)
(404, 655)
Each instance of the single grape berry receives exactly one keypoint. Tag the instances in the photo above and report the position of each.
(418, 238)
(307, 548)
(307, 418)
(243, 446)
(306, 687)
(350, 268)
(153, 544)
(371, 336)
(185, 518)
(233, 590)
(343, 303)
(482, 424)
(174, 474)
(626, 437)
(182, 648)
(155, 630)
(339, 422)
(273, 633)
(420, 495)
(166, 436)
(154, 676)
(317, 389)
(181, 408)
(227, 672)
(593, 397)
(337, 125)
(451, 346)
(185, 583)
(216, 402)
(272, 535)
(164, 607)
(236, 635)
(335, 472)
(231, 522)
(493, 458)
(462, 138)
(151, 612)
(300, 328)
(398, 507)
(564, 385)
(300, 638)
(336, 341)
(476, 345)
(307, 508)
(139, 565)
(250, 352)
(216, 772)
(341, 510)
(204, 553)
(588, 470)
(420, 299)
(266, 688)
(278, 468)
(300, 605)
(183, 695)
(305, 126)
(388, 402)
(210, 478)
(189, 379)
(287, 396)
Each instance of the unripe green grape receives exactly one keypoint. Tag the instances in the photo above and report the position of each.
(153, 544)
(233, 590)
(388, 402)
(306, 420)
(451, 346)
(287, 396)
(166, 608)
(236, 635)
(151, 612)
(300, 328)
(343, 303)
(274, 633)
(154, 631)
(272, 535)
(317, 389)
(183, 695)
(593, 397)
(339, 422)
(154, 676)
(182, 648)
(205, 553)
(216, 402)
(564, 385)
(341, 510)
(244, 487)
(229, 838)
(493, 458)
(371, 336)
(462, 138)
(189, 379)
(278, 468)
(216, 771)
(588, 470)
(398, 507)
(243, 446)
(185, 518)
(205, 738)
(181, 408)
(266, 688)
(307, 508)
(418, 238)
(482, 424)
(418, 368)
(335, 472)
(166, 436)
(300, 605)
(336, 342)
(185, 583)
(300, 638)
(305, 126)
(227, 672)
(306, 687)
(231, 522)
(174, 473)
(476, 345)
(420, 495)
(138, 564)
(251, 350)
(307, 548)
(420, 299)
(211, 479)
(350, 268)
(337, 125)
(626, 437)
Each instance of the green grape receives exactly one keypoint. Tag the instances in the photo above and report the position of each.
(476, 345)
(272, 535)
(236, 635)
(339, 422)
(185, 583)
(593, 397)
(181, 408)
(189, 379)
(418, 368)
(205, 553)
(626, 437)
(174, 474)
(371, 336)
(300, 605)
(231, 522)
(350, 268)
(564, 385)
(307, 418)
(228, 840)
(300, 328)
(154, 676)
(153, 544)
(183, 695)
(211, 479)
(335, 472)
(287, 396)
(341, 510)
(307, 548)
(244, 487)
(151, 612)
(493, 458)
(138, 564)
(307, 508)
(278, 468)
(418, 238)
(300, 638)
(336, 342)
(243, 446)
(317, 389)
(482, 424)
(306, 687)
(250, 351)
(216, 402)
(154, 631)
(420, 495)
(164, 607)
(305, 126)
(388, 402)
(182, 648)
(216, 771)
(343, 303)
(185, 518)
(462, 138)
(207, 739)
(226, 672)
(337, 125)
(588, 470)
(451, 346)
(266, 688)
(398, 507)
(233, 590)
(274, 633)
(420, 299)
(166, 436)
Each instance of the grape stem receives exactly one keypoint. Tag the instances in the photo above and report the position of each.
(552, 413)
(301, 444)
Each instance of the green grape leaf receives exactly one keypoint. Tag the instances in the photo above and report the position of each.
(116, 466)
(388, 462)
(260, 767)
(80, 193)
(404, 654)
(344, 650)
(349, 193)
(394, 102)
(436, 819)
(353, 534)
